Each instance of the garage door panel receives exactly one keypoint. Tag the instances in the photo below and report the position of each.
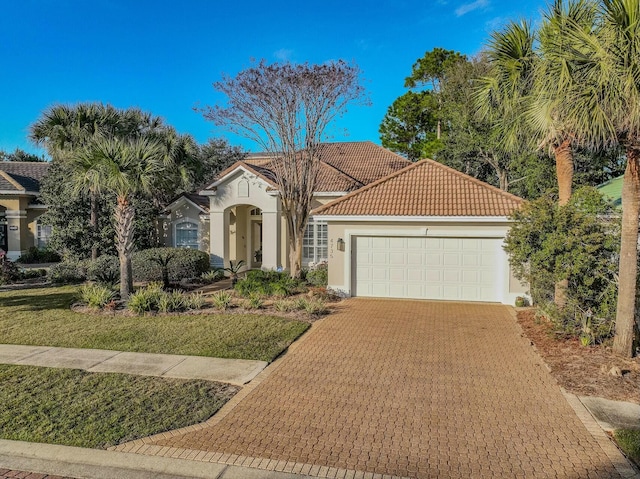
(426, 268)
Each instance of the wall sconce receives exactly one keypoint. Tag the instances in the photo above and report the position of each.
(340, 244)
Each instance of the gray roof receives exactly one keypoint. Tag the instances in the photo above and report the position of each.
(27, 174)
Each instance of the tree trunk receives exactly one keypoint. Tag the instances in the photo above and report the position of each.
(564, 173)
(93, 222)
(295, 253)
(124, 216)
(503, 178)
(627, 271)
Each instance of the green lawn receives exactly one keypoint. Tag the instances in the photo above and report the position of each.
(42, 317)
(629, 442)
(98, 410)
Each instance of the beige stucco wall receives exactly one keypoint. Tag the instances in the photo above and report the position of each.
(340, 261)
(21, 227)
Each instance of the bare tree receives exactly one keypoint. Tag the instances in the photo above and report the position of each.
(286, 109)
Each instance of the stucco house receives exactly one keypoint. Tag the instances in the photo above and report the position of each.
(385, 226)
(20, 207)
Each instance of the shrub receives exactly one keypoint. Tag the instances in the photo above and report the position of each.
(578, 243)
(221, 300)
(194, 301)
(9, 272)
(105, 270)
(169, 264)
(96, 296)
(170, 302)
(268, 283)
(212, 276)
(38, 255)
(284, 305)
(253, 302)
(314, 306)
(68, 271)
(318, 275)
(146, 299)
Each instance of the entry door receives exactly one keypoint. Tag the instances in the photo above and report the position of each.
(459, 269)
(4, 244)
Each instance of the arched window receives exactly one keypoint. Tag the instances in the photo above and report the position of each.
(187, 235)
(255, 212)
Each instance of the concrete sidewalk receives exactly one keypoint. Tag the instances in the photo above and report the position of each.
(233, 371)
(84, 463)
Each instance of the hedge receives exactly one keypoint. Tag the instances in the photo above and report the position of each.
(177, 263)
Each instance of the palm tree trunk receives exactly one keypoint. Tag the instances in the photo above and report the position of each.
(93, 222)
(124, 216)
(564, 173)
(627, 271)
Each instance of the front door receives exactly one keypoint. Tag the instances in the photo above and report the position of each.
(4, 246)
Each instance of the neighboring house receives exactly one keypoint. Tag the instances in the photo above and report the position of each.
(386, 227)
(612, 189)
(20, 207)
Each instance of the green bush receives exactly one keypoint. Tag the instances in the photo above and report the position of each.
(69, 271)
(318, 276)
(268, 283)
(285, 305)
(254, 301)
(212, 276)
(194, 301)
(146, 299)
(578, 242)
(311, 306)
(96, 296)
(9, 272)
(105, 270)
(38, 255)
(222, 300)
(169, 264)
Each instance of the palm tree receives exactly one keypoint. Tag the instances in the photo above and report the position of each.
(127, 168)
(602, 86)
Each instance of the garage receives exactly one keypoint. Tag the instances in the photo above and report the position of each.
(460, 269)
(425, 232)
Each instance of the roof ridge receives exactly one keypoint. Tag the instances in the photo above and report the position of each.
(393, 175)
(473, 179)
(340, 172)
(12, 180)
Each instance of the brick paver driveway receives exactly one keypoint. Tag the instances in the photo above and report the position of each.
(408, 388)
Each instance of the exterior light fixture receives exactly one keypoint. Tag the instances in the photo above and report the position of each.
(340, 244)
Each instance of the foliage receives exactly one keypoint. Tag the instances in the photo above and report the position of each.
(318, 275)
(213, 157)
(433, 68)
(284, 305)
(222, 300)
(9, 272)
(254, 301)
(314, 307)
(410, 124)
(629, 442)
(212, 276)
(268, 283)
(171, 301)
(179, 264)
(99, 410)
(286, 108)
(146, 299)
(239, 336)
(95, 295)
(104, 270)
(38, 255)
(21, 155)
(68, 271)
(194, 301)
(577, 242)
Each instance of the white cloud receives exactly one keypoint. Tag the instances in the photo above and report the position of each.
(284, 54)
(470, 7)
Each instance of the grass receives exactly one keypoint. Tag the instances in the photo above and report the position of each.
(42, 317)
(98, 410)
(629, 442)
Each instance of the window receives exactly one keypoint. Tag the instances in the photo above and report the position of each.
(314, 242)
(187, 235)
(43, 233)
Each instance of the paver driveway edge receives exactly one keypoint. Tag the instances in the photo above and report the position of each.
(623, 465)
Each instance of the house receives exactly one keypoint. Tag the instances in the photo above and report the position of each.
(20, 207)
(387, 227)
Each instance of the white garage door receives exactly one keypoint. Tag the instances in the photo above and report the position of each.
(460, 269)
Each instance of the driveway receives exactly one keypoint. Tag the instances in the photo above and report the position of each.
(406, 388)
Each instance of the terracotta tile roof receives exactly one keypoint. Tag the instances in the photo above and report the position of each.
(22, 176)
(425, 188)
(346, 166)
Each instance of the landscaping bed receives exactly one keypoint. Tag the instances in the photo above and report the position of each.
(582, 370)
(98, 410)
(43, 317)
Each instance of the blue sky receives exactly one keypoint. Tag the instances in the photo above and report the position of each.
(162, 56)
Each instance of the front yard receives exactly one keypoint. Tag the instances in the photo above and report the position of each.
(43, 317)
(76, 408)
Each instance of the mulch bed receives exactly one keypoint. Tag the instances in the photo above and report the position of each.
(582, 370)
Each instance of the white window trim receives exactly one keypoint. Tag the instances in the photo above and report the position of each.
(39, 227)
(316, 244)
(175, 232)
